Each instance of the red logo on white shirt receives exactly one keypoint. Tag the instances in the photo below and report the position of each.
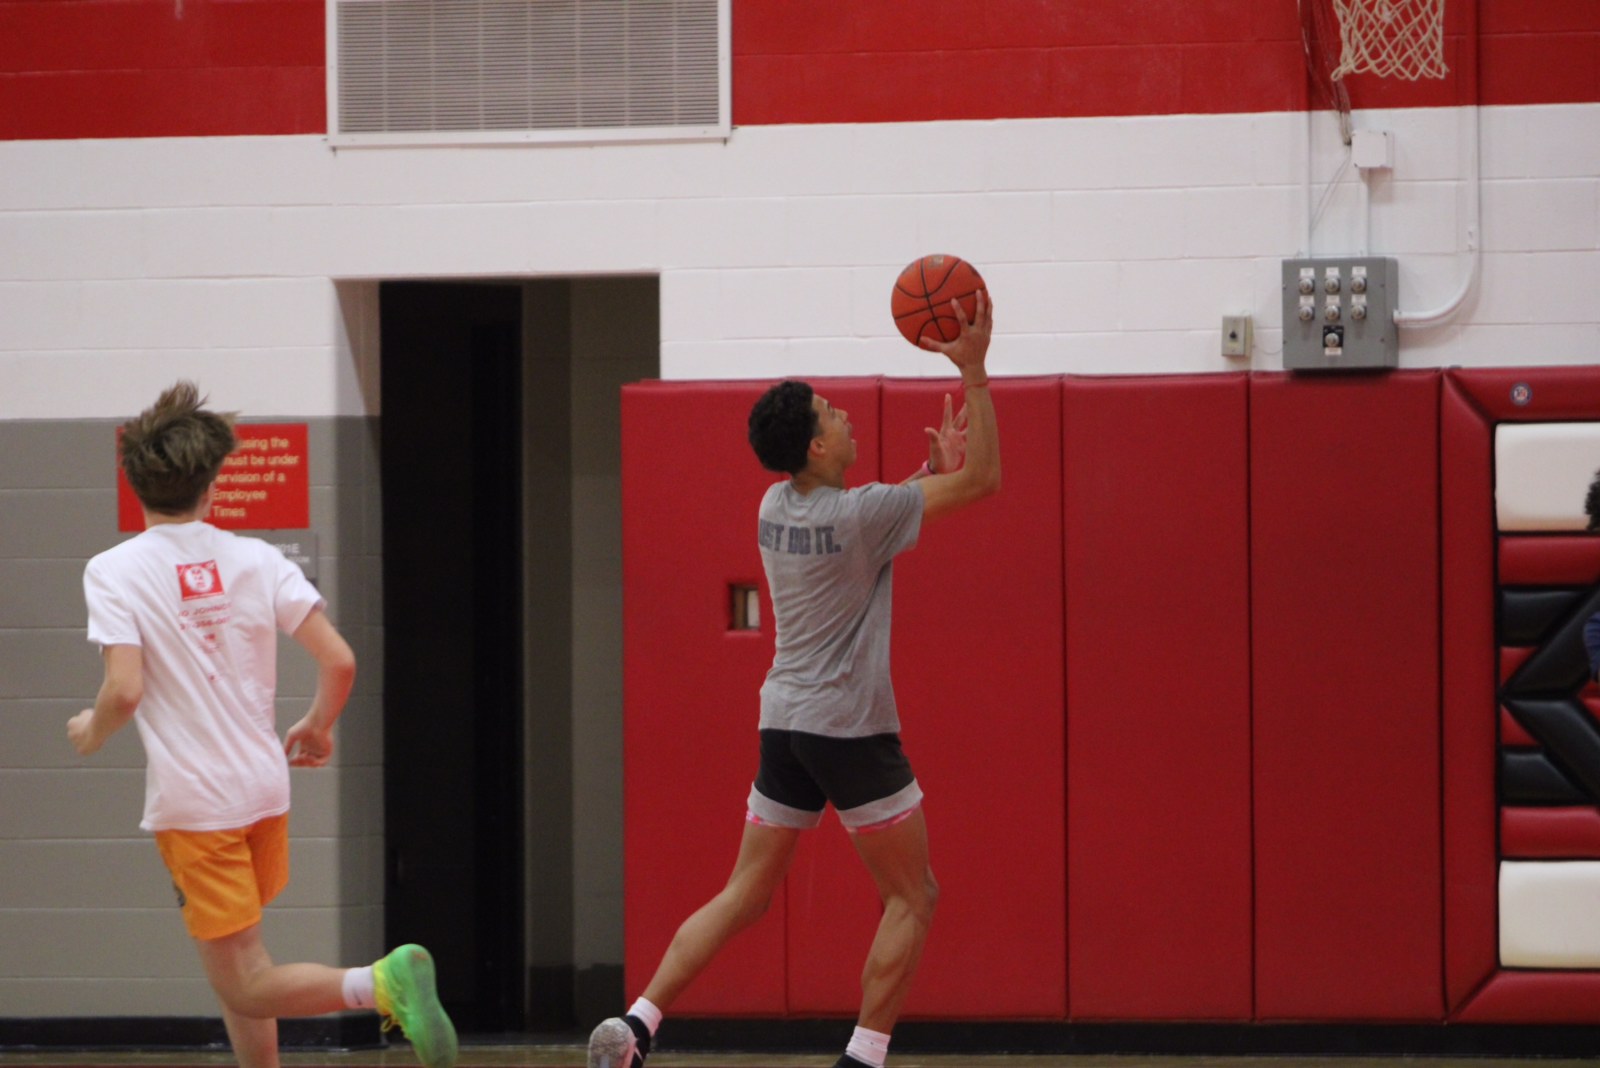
(199, 580)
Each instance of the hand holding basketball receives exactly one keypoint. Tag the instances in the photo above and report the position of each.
(922, 295)
(971, 347)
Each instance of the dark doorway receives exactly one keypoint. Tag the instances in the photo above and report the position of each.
(453, 639)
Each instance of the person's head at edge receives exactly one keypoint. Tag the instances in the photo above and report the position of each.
(173, 451)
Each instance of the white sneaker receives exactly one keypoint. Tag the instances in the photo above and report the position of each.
(611, 1045)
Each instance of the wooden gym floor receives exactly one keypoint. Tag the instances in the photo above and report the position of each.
(572, 1056)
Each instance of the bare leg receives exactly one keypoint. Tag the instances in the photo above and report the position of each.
(897, 857)
(254, 992)
(254, 1039)
(764, 855)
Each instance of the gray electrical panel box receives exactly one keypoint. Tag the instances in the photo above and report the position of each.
(1338, 314)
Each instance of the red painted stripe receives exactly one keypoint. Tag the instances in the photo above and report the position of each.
(1547, 16)
(165, 103)
(37, 36)
(867, 61)
(267, 33)
(1545, 68)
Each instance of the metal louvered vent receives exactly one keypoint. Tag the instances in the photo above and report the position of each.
(437, 71)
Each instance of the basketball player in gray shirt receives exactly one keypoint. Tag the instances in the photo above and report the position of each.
(829, 729)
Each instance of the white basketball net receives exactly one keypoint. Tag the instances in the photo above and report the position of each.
(1391, 38)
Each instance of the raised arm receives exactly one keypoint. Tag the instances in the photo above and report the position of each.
(943, 494)
(309, 743)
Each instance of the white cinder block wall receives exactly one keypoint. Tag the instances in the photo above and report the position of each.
(1112, 245)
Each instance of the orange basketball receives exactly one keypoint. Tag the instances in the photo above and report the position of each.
(923, 292)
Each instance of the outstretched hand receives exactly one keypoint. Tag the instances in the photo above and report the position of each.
(947, 446)
(307, 745)
(971, 346)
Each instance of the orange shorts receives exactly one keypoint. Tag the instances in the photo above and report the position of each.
(224, 877)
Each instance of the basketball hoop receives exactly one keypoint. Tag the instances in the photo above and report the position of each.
(1391, 38)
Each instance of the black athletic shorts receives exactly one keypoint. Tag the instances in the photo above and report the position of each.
(867, 780)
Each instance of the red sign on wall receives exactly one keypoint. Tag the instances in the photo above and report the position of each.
(265, 483)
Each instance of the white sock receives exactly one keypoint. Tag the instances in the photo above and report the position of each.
(869, 1047)
(647, 1014)
(358, 993)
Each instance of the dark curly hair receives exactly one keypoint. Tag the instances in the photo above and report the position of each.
(782, 424)
(174, 449)
(1591, 502)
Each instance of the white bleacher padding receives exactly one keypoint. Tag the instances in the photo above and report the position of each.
(1542, 472)
(1550, 914)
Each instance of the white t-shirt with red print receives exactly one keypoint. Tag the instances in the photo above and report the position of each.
(205, 606)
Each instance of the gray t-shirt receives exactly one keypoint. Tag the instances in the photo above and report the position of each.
(829, 561)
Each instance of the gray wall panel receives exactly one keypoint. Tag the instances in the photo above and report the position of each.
(41, 593)
(85, 903)
(33, 733)
(84, 802)
(358, 738)
(83, 874)
(48, 662)
(34, 998)
(45, 454)
(297, 672)
(97, 943)
(65, 524)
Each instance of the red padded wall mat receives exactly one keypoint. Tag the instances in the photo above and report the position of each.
(1556, 997)
(1158, 697)
(1346, 646)
(1548, 559)
(690, 684)
(978, 679)
(1468, 686)
(1475, 400)
(1531, 394)
(1511, 658)
(1085, 823)
(1562, 833)
(1512, 733)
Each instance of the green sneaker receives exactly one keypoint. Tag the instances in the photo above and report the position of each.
(403, 983)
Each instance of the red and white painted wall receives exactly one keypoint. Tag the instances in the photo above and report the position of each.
(1124, 175)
